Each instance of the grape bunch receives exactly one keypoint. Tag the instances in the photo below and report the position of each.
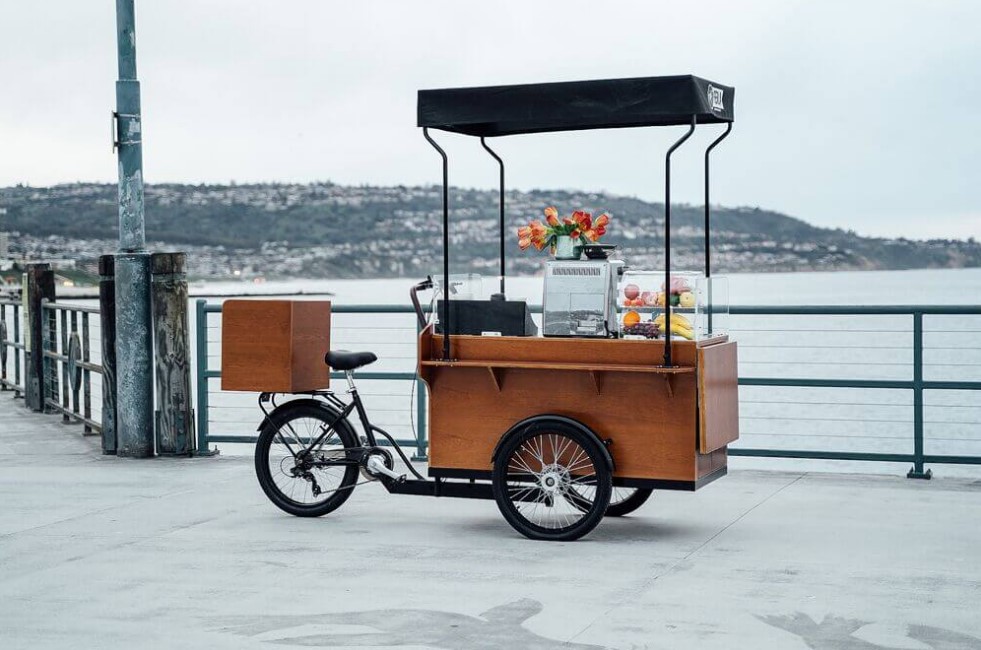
(647, 329)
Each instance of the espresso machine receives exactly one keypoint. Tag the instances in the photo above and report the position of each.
(580, 298)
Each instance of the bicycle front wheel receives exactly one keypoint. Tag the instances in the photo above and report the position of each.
(299, 477)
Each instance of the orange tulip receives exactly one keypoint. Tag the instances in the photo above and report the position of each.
(524, 232)
(602, 220)
(592, 235)
(575, 234)
(524, 243)
(551, 213)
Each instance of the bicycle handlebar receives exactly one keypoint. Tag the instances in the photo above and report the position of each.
(422, 286)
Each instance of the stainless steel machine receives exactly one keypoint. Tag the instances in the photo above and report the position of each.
(580, 298)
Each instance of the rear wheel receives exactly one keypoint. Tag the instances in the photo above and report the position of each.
(539, 476)
(299, 478)
(626, 500)
(623, 501)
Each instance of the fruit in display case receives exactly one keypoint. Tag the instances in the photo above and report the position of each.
(679, 326)
(647, 329)
(631, 291)
(686, 300)
(631, 318)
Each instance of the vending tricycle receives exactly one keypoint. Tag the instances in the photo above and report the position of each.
(559, 429)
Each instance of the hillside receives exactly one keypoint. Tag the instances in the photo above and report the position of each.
(329, 230)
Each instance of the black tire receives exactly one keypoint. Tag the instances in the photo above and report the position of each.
(623, 500)
(534, 477)
(274, 460)
(626, 500)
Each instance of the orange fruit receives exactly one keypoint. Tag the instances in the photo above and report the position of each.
(631, 318)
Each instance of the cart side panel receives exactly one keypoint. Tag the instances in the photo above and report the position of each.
(470, 408)
(718, 397)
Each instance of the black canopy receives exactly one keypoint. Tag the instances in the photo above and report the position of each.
(571, 106)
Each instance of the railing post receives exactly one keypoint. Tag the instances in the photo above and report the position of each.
(174, 417)
(3, 348)
(86, 373)
(107, 322)
(917, 470)
(201, 327)
(18, 315)
(74, 353)
(65, 384)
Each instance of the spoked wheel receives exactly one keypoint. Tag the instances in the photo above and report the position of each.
(540, 475)
(300, 478)
(623, 501)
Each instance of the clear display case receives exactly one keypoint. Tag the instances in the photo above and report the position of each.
(641, 298)
(463, 286)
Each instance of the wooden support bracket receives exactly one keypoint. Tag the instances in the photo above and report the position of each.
(597, 378)
(497, 376)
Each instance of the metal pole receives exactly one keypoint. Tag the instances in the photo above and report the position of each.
(708, 248)
(201, 327)
(446, 246)
(134, 342)
(501, 200)
(917, 470)
(667, 241)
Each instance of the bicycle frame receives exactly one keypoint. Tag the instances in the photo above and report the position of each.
(346, 409)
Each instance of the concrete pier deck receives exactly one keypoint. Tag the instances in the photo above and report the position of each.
(102, 552)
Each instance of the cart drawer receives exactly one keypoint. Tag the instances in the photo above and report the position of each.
(718, 397)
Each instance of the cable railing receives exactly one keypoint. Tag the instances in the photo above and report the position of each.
(843, 383)
(69, 361)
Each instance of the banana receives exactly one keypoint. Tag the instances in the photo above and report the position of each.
(677, 320)
(680, 326)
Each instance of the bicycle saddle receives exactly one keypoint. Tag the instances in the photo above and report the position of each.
(344, 360)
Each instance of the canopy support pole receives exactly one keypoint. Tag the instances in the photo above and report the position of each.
(500, 163)
(708, 251)
(667, 241)
(446, 246)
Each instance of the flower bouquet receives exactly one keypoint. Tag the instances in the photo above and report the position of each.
(579, 228)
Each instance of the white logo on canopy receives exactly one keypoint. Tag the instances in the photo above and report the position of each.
(714, 97)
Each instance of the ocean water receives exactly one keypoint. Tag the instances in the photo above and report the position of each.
(925, 287)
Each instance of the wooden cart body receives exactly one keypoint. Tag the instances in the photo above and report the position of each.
(667, 427)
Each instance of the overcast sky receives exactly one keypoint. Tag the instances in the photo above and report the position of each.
(861, 115)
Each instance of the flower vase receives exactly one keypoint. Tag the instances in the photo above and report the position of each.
(565, 248)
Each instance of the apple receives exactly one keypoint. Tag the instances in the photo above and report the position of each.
(647, 298)
(631, 291)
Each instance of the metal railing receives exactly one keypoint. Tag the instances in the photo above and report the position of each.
(911, 322)
(12, 348)
(793, 366)
(68, 362)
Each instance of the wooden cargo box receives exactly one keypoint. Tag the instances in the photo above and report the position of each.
(275, 346)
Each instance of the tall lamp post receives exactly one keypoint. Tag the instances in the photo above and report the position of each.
(134, 334)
